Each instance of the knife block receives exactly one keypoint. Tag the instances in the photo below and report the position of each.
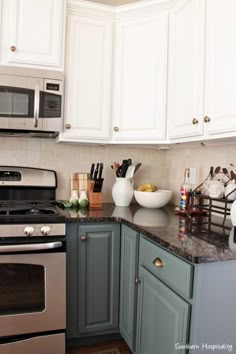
(95, 199)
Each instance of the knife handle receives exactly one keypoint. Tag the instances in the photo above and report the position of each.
(91, 171)
(100, 170)
(96, 171)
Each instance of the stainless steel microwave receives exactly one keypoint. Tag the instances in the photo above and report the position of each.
(31, 101)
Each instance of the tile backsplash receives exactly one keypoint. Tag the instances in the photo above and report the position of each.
(164, 168)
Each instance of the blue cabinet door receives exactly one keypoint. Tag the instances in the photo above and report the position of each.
(98, 278)
(163, 317)
(128, 286)
(71, 280)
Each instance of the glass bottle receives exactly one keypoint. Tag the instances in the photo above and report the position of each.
(185, 188)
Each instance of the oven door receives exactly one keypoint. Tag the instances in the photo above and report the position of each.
(19, 102)
(32, 290)
(45, 344)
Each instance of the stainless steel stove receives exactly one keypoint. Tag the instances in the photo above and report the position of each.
(32, 263)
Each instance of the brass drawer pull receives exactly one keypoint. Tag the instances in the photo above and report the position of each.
(195, 121)
(158, 262)
(68, 126)
(13, 48)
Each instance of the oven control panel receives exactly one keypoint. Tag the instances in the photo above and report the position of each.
(21, 230)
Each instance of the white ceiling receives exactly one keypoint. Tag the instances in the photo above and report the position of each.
(114, 2)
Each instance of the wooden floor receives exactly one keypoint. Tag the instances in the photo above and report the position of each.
(121, 345)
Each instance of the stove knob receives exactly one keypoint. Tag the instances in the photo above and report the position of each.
(45, 230)
(29, 230)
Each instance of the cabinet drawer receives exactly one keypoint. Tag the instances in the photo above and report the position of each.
(176, 273)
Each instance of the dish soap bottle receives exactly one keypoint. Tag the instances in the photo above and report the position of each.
(185, 189)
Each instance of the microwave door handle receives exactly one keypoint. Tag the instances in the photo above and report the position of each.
(30, 247)
(36, 104)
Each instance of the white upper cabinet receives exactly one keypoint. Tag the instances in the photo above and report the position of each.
(220, 104)
(1, 29)
(33, 33)
(186, 64)
(116, 67)
(202, 70)
(88, 74)
(140, 71)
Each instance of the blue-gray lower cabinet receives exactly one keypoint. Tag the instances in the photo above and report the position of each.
(72, 320)
(162, 319)
(98, 283)
(163, 315)
(93, 270)
(128, 285)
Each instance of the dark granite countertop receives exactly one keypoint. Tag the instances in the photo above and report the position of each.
(162, 226)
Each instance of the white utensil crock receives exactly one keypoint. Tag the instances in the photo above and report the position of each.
(123, 191)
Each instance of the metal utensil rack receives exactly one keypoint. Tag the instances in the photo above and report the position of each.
(210, 207)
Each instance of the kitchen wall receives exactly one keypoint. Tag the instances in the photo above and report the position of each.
(201, 157)
(164, 168)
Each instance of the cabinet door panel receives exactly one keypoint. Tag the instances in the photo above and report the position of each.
(71, 280)
(186, 69)
(128, 288)
(163, 317)
(88, 72)
(220, 66)
(35, 28)
(139, 105)
(98, 286)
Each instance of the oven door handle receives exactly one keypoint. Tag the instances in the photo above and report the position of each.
(30, 247)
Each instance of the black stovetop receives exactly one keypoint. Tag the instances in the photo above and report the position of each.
(29, 211)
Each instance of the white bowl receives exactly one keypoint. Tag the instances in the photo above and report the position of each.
(156, 199)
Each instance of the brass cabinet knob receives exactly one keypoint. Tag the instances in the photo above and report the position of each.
(137, 280)
(83, 238)
(195, 121)
(13, 48)
(207, 119)
(158, 262)
(68, 126)
(116, 129)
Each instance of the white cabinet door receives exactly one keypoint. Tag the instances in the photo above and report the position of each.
(221, 67)
(1, 28)
(88, 77)
(202, 70)
(33, 32)
(186, 69)
(139, 100)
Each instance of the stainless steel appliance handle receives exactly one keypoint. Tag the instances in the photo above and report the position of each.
(36, 104)
(30, 247)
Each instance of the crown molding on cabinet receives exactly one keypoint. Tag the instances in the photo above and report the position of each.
(132, 9)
